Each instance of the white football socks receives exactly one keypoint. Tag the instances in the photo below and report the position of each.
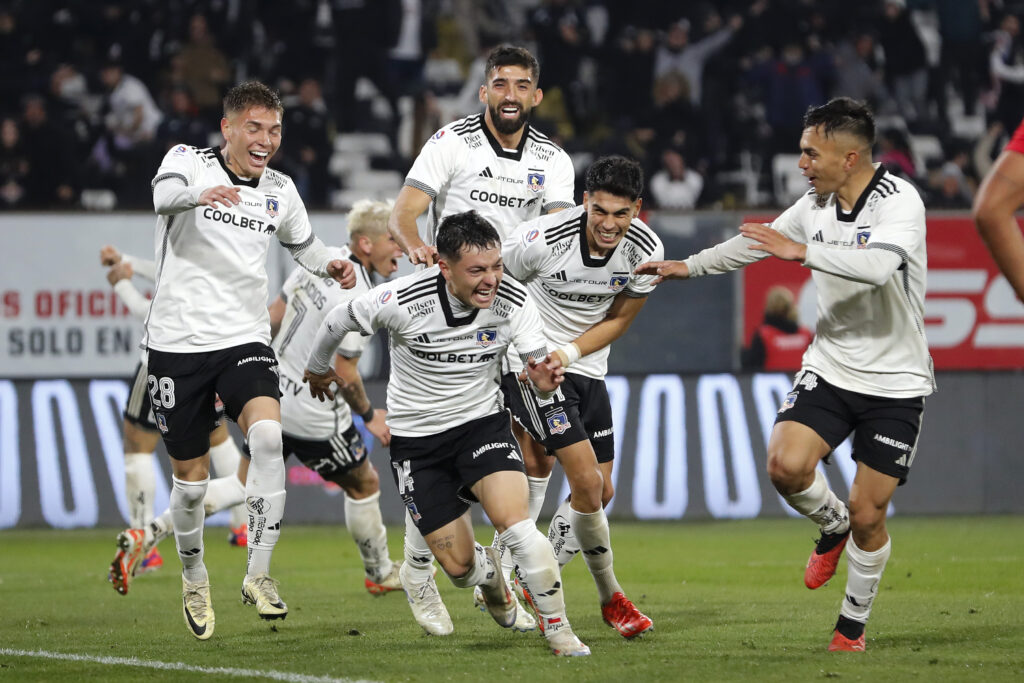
(264, 493)
(418, 558)
(188, 517)
(481, 572)
(225, 457)
(538, 489)
(561, 537)
(537, 571)
(821, 505)
(139, 488)
(595, 542)
(864, 574)
(364, 522)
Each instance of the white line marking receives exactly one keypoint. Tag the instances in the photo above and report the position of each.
(180, 666)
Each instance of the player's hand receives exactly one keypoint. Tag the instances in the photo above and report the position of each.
(120, 271)
(344, 271)
(379, 428)
(774, 242)
(546, 375)
(665, 270)
(228, 196)
(426, 254)
(109, 255)
(320, 385)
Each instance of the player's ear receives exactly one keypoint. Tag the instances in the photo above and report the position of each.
(225, 127)
(483, 93)
(538, 95)
(365, 244)
(446, 270)
(637, 205)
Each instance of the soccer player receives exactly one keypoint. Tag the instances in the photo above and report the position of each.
(861, 231)
(322, 435)
(141, 436)
(1000, 195)
(578, 267)
(451, 441)
(208, 330)
(498, 165)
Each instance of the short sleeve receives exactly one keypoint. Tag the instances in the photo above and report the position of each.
(642, 285)
(436, 163)
(180, 164)
(560, 189)
(524, 252)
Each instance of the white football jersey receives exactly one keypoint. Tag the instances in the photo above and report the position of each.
(309, 299)
(869, 337)
(445, 357)
(574, 290)
(462, 167)
(211, 285)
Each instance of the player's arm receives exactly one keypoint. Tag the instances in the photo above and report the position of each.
(120, 277)
(1000, 195)
(355, 396)
(620, 316)
(356, 315)
(277, 310)
(174, 188)
(296, 235)
(409, 206)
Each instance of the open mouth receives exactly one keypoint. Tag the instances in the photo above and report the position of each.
(510, 111)
(608, 236)
(484, 294)
(258, 158)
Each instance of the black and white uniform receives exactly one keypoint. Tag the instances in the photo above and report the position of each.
(319, 434)
(463, 167)
(448, 429)
(868, 369)
(208, 330)
(573, 291)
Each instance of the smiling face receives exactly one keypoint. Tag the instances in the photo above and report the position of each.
(510, 94)
(827, 162)
(383, 254)
(473, 279)
(608, 219)
(252, 136)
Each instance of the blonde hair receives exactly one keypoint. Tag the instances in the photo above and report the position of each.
(779, 302)
(369, 218)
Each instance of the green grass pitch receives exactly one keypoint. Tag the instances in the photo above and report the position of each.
(727, 599)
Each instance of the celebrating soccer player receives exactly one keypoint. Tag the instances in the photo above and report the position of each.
(861, 231)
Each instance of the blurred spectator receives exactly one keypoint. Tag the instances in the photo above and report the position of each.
(858, 74)
(628, 73)
(950, 187)
(52, 173)
(676, 122)
(961, 23)
(675, 186)
(14, 165)
(906, 66)
(1006, 63)
(779, 341)
(677, 54)
(204, 68)
(560, 29)
(182, 124)
(894, 153)
(131, 116)
(307, 148)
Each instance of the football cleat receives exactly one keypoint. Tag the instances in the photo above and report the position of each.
(564, 643)
(841, 643)
(391, 582)
(150, 563)
(426, 605)
(625, 618)
(498, 598)
(198, 610)
(524, 620)
(821, 565)
(239, 536)
(130, 543)
(261, 590)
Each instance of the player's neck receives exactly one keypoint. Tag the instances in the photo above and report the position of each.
(854, 187)
(506, 141)
(232, 164)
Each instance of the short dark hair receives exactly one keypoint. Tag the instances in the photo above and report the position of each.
(251, 94)
(465, 230)
(511, 55)
(843, 115)
(617, 176)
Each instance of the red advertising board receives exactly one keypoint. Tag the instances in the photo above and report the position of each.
(973, 320)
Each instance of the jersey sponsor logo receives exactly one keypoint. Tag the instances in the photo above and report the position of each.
(262, 359)
(486, 173)
(490, 447)
(535, 181)
(273, 207)
(818, 237)
(244, 222)
(601, 432)
(438, 135)
(180, 150)
(558, 422)
(789, 402)
(496, 198)
(485, 338)
(385, 297)
(452, 357)
(568, 296)
(531, 236)
(513, 455)
(889, 441)
(862, 238)
(617, 282)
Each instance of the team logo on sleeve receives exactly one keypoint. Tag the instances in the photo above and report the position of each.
(437, 136)
(558, 422)
(273, 207)
(535, 181)
(862, 238)
(618, 282)
(385, 297)
(486, 338)
(531, 236)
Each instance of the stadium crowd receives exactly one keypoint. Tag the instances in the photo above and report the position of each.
(703, 94)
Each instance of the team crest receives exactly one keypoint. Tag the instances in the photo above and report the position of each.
(862, 238)
(618, 282)
(273, 207)
(486, 338)
(413, 512)
(161, 422)
(535, 181)
(558, 422)
(789, 402)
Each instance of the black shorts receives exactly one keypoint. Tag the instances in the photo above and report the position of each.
(579, 410)
(434, 473)
(183, 388)
(330, 458)
(139, 410)
(885, 430)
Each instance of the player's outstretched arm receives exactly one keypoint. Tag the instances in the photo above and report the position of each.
(620, 316)
(355, 396)
(409, 205)
(320, 384)
(772, 241)
(1000, 195)
(665, 270)
(109, 255)
(344, 271)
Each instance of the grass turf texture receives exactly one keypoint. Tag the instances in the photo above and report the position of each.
(727, 599)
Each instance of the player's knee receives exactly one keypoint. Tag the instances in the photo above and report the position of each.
(785, 473)
(866, 517)
(264, 437)
(607, 493)
(587, 491)
(456, 568)
(360, 483)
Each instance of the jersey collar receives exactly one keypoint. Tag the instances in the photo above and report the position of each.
(235, 180)
(361, 269)
(588, 260)
(861, 200)
(500, 151)
(449, 315)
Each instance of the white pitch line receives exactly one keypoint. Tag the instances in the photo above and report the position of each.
(180, 666)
